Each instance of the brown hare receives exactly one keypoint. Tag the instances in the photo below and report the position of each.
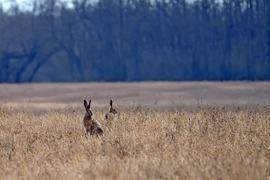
(91, 125)
(109, 116)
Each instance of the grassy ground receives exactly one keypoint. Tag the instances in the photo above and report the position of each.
(206, 143)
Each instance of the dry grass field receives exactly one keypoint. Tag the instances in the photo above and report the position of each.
(205, 142)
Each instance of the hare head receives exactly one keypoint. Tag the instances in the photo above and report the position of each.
(112, 110)
(87, 108)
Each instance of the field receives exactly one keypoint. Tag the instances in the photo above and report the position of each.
(162, 131)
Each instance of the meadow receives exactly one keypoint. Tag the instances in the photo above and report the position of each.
(203, 142)
(210, 143)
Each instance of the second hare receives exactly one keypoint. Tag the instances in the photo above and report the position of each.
(91, 125)
(109, 116)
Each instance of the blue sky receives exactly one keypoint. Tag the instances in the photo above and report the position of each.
(24, 4)
(6, 3)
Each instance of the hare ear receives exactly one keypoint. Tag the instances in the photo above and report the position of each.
(111, 102)
(89, 103)
(85, 103)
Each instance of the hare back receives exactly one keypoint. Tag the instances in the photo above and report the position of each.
(109, 116)
(97, 128)
(96, 124)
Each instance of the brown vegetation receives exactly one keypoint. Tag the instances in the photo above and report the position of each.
(207, 143)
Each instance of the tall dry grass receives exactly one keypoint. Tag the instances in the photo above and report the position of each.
(207, 143)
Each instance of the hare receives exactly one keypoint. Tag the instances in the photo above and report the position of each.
(92, 126)
(109, 116)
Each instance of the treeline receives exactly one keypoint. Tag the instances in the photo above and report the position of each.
(135, 40)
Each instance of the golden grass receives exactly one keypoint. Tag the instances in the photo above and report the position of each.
(207, 143)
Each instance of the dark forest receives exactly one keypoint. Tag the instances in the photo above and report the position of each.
(135, 40)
